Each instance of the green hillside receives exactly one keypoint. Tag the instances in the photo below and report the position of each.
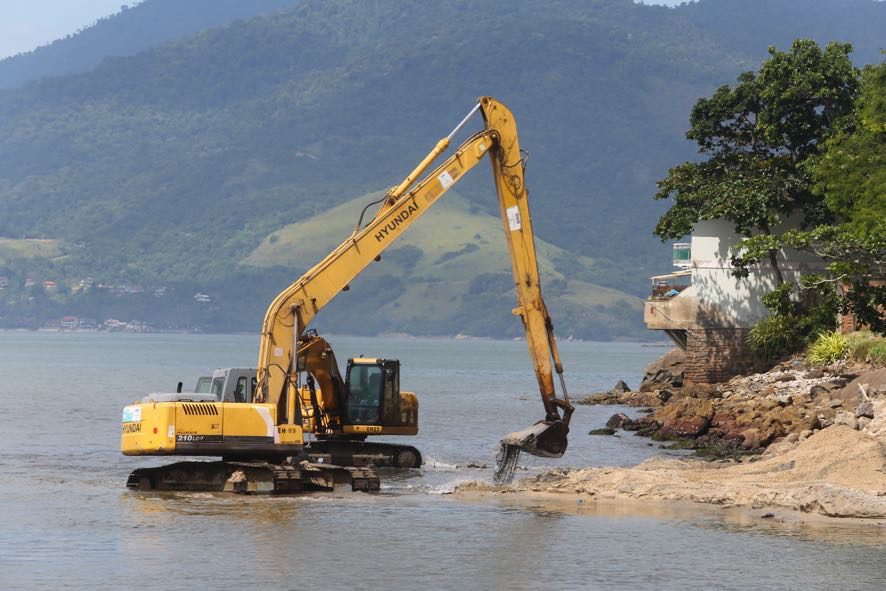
(451, 269)
(165, 168)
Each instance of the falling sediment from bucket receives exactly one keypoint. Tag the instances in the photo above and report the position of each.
(506, 463)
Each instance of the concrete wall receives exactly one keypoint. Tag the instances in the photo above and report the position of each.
(718, 310)
(724, 300)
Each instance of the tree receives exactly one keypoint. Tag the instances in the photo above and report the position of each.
(805, 136)
(850, 173)
(757, 136)
(851, 170)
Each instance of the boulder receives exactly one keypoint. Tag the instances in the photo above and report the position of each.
(687, 417)
(667, 371)
(620, 387)
(602, 431)
(618, 421)
(865, 409)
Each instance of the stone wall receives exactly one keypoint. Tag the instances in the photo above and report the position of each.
(714, 355)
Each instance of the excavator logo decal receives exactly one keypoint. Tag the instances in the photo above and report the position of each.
(396, 221)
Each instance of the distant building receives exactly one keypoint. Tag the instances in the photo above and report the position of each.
(113, 325)
(70, 323)
(88, 323)
(706, 310)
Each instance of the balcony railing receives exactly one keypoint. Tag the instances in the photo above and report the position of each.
(664, 287)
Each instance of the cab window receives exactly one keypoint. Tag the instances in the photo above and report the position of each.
(218, 387)
(240, 393)
(203, 385)
(364, 390)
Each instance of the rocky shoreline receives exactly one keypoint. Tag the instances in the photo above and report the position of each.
(745, 415)
(796, 437)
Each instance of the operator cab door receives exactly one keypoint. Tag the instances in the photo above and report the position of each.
(373, 392)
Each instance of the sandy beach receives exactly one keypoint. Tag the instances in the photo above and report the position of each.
(837, 472)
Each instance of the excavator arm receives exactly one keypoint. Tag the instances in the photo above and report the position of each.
(292, 311)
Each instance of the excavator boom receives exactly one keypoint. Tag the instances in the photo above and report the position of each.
(294, 308)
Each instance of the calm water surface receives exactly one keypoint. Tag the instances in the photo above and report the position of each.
(66, 520)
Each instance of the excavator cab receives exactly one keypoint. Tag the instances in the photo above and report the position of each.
(372, 391)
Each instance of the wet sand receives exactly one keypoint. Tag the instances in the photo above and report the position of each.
(836, 473)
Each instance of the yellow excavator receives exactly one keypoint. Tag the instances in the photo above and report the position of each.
(260, 431)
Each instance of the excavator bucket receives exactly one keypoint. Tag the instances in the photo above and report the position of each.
(545, 438)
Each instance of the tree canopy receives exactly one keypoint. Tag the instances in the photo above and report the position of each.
(805, 137)
(756, 136)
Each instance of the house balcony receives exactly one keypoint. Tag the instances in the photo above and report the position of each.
(671, 306)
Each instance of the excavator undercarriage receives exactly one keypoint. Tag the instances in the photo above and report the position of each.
(254, 477)
(364, 453)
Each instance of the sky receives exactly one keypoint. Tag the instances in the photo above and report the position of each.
(27, 24)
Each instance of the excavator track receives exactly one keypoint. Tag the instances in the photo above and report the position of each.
(254, 478)
(343, 452)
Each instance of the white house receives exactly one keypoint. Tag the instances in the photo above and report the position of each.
(706, 310)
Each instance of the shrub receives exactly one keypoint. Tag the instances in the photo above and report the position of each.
(775, 337)
(866, 347)
(860, 344)
(828, 348)
(877, 354)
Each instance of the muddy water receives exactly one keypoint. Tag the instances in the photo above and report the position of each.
(67, 522)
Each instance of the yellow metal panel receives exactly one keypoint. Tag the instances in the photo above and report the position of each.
(249, 420)
(376, 429)
(201, 420)
(290, 434)
(148, 429)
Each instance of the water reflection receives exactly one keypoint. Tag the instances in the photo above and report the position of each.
(739, 520)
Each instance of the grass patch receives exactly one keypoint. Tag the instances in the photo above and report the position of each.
(12, 249)
(867, 347)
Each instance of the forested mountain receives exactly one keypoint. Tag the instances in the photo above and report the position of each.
(171, 166)
(750, 26)
(128, 32)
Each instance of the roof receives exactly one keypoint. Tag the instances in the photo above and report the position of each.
(685, 273)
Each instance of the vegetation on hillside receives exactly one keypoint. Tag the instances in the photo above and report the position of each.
(133, 29)
(166, 168)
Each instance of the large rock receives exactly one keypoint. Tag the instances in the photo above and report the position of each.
(665, 372)
(620, 387)
(865, 409)
(877, 427)
(685, 418)
(618, 421)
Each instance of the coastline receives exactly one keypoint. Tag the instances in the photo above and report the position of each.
(838, 474)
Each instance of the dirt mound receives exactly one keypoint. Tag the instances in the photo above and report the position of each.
(837, 472)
